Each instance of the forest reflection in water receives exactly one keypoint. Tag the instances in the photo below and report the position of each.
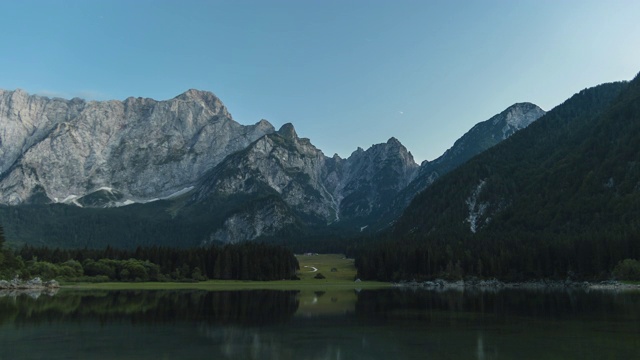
(322, 324)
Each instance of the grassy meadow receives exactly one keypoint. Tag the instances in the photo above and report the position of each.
(335, 294)
(343, 277)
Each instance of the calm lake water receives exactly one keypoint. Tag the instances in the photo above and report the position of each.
(345, 324)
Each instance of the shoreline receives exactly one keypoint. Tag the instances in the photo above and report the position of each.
(496, 285)
(33, 284)
(33, 288)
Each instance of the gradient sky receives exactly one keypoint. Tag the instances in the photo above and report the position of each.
(346, 73)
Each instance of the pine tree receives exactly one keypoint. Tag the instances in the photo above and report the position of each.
(1, 251)
(1, 237)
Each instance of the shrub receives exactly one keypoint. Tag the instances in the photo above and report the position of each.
(71, 269)
(44, 269)
(101, 267)
(627, 269)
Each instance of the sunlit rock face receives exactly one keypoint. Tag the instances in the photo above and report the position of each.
(56, 150)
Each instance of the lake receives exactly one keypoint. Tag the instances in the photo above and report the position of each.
(321, 324)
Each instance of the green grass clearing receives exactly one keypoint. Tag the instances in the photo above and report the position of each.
(336, 294)
(343, 278)
(345, 268)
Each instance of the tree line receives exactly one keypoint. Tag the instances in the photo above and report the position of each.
(519, 257)
(245, 261)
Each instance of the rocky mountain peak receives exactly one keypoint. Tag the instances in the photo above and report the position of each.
(196, 94)
(143, 148)
(371, 178)
(205, 98)
(393, 141)
(19, 92)
(518, 116)
(357, 152)
(264, 123)
(263, 126)
(287, 131)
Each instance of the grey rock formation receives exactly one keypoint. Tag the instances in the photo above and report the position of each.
(305, 182)
(35, 283)
(371, 179)
(279, 163)
(61, 150)
(265, 219)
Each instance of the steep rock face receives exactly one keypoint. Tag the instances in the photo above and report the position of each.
(26, 120)
(280, 163)
(143, 148)
(261, 219)
(315, 188)
(481, 137)
(371, 179)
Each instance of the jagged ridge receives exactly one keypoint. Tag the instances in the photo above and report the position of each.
(223, 181)
(143, 148)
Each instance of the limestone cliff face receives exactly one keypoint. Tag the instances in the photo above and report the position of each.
(280, 163)
(303, 184)
(263, 218)
(26, 120)
(143, 148)
(367, 181)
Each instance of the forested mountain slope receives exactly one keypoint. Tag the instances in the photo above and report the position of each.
(562, 196)
(481, 137)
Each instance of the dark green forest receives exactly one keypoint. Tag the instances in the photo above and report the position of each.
(246, 261)
(558, 199)
(161, 223)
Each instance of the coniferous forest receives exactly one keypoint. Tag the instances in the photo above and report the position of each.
(559, 199)
(247, 261)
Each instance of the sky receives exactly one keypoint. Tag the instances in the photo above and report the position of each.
(346, 73)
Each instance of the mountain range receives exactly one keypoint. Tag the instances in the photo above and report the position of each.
(182, 172)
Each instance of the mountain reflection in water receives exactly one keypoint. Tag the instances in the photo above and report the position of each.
(251, 308)
(322, 324)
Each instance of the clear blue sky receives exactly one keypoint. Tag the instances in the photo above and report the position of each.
(346, 73)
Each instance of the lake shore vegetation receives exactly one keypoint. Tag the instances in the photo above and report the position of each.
(246, 261)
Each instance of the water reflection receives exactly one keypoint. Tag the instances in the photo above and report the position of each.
(498, 306)
(32, 293)
(326, 324)
(252, 307)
